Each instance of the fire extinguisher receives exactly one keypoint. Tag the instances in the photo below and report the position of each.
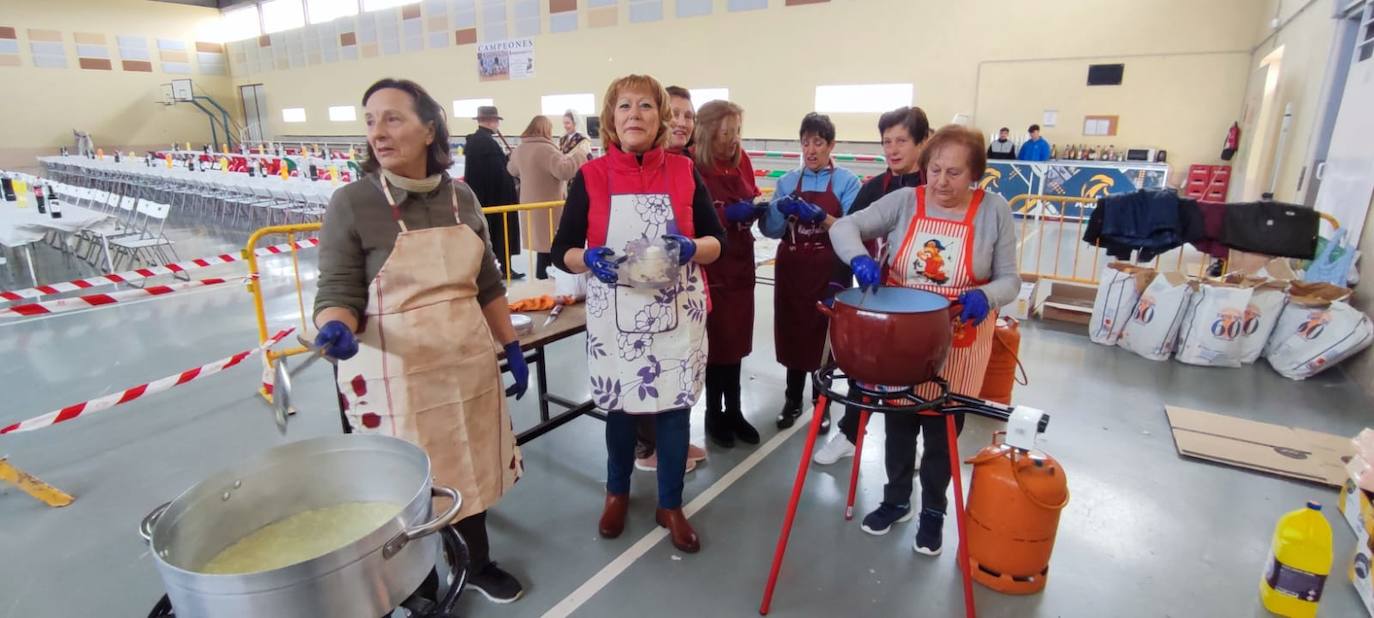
(1232, 143)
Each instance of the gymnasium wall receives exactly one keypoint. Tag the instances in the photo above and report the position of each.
(97, 65)
(1002, 63)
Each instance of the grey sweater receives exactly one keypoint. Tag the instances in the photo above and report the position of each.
(359, 234)
(994, 237)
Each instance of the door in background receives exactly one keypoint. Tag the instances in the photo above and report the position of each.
(254, 100)
(1347, 178)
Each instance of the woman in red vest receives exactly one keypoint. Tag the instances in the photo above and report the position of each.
(646, 346)
(729, 177)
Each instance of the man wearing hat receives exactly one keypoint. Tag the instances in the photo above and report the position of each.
(485, 172)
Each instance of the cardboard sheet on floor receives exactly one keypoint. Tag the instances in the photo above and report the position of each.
(1276, 449)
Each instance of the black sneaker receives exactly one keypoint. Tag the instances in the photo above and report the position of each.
(930, 533)
(495, 584)
(881, 519)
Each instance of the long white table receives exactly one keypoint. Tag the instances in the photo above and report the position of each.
(23, 226)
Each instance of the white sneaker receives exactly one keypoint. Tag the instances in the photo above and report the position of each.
(834, 449)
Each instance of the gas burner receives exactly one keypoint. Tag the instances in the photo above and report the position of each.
(422, 604)
(903, 400)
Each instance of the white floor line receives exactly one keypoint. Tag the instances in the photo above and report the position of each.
(608, 573)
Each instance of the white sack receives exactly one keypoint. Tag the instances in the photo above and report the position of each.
(1153, 328)
(1117, 293)
(1211, 332)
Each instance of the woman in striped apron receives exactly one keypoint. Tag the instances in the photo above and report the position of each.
(957, 241)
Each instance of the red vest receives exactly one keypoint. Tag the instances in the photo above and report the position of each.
(620, 173)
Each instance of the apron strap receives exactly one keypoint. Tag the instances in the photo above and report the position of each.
(396, 210)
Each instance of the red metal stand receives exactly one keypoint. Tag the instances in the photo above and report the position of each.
(956, 479)
(854, 470)
(792, 504)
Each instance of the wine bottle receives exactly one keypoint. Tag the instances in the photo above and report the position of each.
(54, 206)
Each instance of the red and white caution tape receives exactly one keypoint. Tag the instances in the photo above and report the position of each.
(152, 271)
(96, 300)
(129, 394)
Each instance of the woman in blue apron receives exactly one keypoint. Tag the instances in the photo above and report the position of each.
(646, 348)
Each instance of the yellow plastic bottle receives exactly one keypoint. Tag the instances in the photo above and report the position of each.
(1298, 563)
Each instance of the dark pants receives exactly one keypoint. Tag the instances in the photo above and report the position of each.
(902, 430)
(542, 261)
(796, 385)
(849, 423)
(722, 387)
(473, 528)
(671, 433)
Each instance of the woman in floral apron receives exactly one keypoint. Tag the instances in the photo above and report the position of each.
(411, 302)
(958, 241)
(646, 348)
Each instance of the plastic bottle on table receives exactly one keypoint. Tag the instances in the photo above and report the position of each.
(1298, 563)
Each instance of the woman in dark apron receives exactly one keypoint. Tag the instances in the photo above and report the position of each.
(806, 203)
(729, 177)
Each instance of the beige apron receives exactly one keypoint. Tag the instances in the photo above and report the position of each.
(426, 367)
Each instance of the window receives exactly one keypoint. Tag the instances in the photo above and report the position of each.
(556, 104)
(279, 15)
(467, 108)
(377, 5)
(239, 24)
(293, 114)
(701, 96)
(863, 98)
(342, 113)
(320, 11)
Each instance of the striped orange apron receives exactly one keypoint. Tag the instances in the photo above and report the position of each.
(937, 256)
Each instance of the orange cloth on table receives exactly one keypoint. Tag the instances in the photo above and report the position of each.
(537, 303)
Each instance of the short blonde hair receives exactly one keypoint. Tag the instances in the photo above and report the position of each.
(643, 83)
(709, 118)
(539, 126)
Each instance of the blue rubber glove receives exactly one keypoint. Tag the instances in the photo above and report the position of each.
(975, 309)
(866, 270)
(686, 248)
(802, 210)
(515, 360)
(599, 260)
(740, 212)
(337, 340)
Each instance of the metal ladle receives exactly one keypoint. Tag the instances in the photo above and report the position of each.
(281, 382)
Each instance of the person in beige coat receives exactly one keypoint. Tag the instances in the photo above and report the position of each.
(544, 172)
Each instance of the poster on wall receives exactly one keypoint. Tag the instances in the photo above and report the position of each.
(502, 60)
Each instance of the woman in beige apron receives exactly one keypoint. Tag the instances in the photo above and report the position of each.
(411, 302)
(957, 241)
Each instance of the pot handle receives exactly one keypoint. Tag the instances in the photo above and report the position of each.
(145, 528)
(827, 311)
(399, 542)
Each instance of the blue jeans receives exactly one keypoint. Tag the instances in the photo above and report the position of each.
(671, 431)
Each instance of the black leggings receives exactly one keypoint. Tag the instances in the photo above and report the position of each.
(542, 261)
(902, 430)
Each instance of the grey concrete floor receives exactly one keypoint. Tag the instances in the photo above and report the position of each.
(1147, 533)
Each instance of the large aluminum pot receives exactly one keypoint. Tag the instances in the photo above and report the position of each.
(898, 337)
(366, 579)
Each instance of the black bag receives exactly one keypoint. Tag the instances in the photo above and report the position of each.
(1272, 228)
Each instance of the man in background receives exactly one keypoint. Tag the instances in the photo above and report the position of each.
(1035, 148)
(1003, 148)
(485, 171)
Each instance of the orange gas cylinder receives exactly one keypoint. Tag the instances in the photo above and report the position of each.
(1013, 509)
(1000, 376)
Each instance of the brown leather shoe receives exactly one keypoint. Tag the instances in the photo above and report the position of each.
(613, 515)
(684, 537)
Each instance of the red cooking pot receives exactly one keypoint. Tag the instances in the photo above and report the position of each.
(896, 337)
